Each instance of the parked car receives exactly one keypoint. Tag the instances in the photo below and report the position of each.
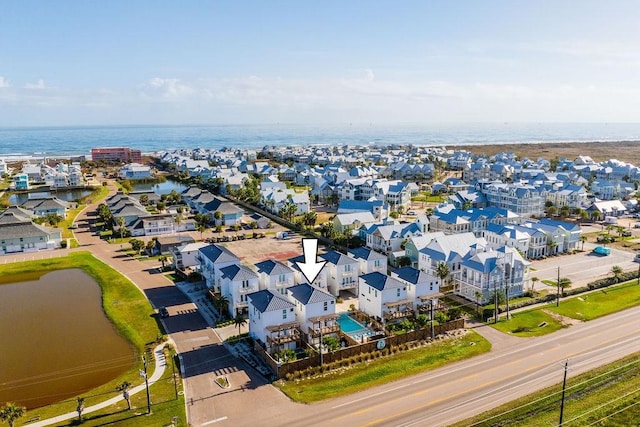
(636, 225)
(637, 258)
(163, 312)
(626, 233)
(411, 213)
(600, 250)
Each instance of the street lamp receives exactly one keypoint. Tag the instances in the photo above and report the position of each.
(143, 374)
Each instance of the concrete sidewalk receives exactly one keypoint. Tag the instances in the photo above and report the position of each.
(161, 365)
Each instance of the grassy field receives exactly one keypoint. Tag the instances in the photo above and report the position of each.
(386, 369)
(530, 323)
(132, 316)
(600, 303)
(607, 396)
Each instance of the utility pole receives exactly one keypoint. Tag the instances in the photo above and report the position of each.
(638, 274)
(558, 292)
(173, 371)
(320, 346)
(432, 327)
(564, 386)
(143, 374)
(506, 283)
(495, 301)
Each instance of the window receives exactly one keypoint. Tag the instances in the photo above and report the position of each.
(347, 267)
(284, 314)
(398, 292)
(325, 306)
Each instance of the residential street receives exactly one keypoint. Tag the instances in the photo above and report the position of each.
(515, 367)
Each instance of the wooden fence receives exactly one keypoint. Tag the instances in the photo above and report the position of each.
(283, 369)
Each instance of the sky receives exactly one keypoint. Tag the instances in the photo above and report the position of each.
(235, 62)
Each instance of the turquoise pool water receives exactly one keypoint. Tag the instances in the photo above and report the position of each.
(353, 328)
(348, 324)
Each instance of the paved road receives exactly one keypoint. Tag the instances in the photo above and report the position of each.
(466, 388)
(515, 367)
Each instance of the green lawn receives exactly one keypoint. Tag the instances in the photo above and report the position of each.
(601, 302)
(133, 317)
(607, 396)
(527, 324)
(386, 369)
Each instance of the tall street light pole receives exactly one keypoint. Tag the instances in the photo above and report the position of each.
(143, 374)
(558, 290)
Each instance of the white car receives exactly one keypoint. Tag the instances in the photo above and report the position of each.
(411, 213)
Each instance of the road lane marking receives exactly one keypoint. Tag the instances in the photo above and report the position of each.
(214, 421)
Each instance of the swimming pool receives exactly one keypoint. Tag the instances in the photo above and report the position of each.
(348, 324)
(353, 328)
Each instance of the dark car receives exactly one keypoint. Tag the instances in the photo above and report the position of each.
(163, 312)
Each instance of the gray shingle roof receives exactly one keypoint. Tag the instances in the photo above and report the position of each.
(217, 253)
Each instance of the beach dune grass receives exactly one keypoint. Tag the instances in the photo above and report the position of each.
(133, 317)
(381, 371)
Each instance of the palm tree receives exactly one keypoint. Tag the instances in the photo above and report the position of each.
(222, 304)
(583, 239)
(442, 271)
(10, 412)
(80, 407)
(534, 279)
(616, 270)
(125, 394)
(120, 221)
(239, 321)
(163, 259)
(201, 229)
(478, 296)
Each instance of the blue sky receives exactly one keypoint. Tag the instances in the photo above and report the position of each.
(217, 62)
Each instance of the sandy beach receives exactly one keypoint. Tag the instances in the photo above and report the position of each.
(627, 151)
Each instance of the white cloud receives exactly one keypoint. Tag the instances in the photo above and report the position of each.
(166, 88)
(38, 85)
(3, 82)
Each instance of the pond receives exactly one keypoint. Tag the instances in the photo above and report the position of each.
(68, 195)
(161, 188)
(57, 342)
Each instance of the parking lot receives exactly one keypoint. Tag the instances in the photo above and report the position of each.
(583, 267)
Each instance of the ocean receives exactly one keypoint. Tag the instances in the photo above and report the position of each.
(78, 140)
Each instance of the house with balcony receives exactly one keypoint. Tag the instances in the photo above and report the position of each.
(135, 171)
(272, 321)
(21, 181)
(315, 311)
(384, 297)
(352, 221)
(484, 273)
(415, 243)
(376, 207)
(275, 276)
(369, 260)
(342, 272)
(422, 288)
(151, 225)
(319, 282)
(238, 281)
(18, 233)
(186, 256)
(212, 259)
(451, 250)
(524, 200)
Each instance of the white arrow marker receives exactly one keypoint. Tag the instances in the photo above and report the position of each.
(310, 267)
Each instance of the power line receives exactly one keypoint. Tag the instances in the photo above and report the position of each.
(603, 405)
(548, 396)
(615, 413)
